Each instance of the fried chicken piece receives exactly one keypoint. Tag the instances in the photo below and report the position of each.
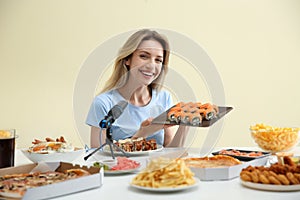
(61, 139)
(287, 160)
(49, 139)
(36, 141)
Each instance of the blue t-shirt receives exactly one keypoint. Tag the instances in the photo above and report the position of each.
(130, 120)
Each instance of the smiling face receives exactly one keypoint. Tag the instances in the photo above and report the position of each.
(146, 62)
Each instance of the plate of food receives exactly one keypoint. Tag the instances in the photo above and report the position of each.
(51, 150)
(120, 165)
(134, 147)
(271, 187)
(192, 114)
(167, 189)
(242, 155)
(165, 175)
(276, 177)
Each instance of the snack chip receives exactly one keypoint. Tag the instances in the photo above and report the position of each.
(274, 139)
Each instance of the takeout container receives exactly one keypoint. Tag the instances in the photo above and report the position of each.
(94, 180)
(54, 157)
(243, 157)
(225, 173)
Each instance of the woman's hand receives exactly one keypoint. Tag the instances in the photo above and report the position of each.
(147, 128)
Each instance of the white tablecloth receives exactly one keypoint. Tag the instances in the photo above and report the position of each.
(117, 187)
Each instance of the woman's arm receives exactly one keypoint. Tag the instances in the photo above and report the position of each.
(175, 139)
(172, 138)
(95, 138)
(146, 129)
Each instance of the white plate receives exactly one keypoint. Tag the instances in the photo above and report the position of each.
(116, 172)
(10, 195)
(167, 189)
(53, 157)
(270, 187)
(134, 153)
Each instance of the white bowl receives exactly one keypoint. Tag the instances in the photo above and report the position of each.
(54, 157)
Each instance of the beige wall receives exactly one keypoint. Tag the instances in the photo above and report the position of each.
(255, 46)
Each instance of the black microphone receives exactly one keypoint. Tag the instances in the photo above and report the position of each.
(113, 114)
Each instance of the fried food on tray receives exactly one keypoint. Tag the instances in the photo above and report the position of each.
(165, 172)
(139, 144)
(192, 113)
(277, 174)
(235, 152)
(212, 162)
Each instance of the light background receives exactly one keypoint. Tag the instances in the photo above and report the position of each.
(254, 44)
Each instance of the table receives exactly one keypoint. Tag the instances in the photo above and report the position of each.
(117, 187)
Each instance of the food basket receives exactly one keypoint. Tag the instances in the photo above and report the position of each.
(275, 139)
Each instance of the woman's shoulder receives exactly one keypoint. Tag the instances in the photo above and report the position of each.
(161, 93)
(108, 97)
(162, 98)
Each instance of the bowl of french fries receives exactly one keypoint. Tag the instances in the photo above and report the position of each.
(165, 174)
(275, 139)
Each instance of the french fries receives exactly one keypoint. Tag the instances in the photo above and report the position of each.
(274, 138)
(164, 172)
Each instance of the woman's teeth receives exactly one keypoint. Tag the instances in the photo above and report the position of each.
(147, 73)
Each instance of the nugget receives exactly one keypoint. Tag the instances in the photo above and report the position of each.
(254, 176)
(292, 178)
(273, 180)
(297, 175)
(263, 179)
(283, 179)
(246, 177)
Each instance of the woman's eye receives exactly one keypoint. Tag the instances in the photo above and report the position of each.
(159, 60)
(143, 56)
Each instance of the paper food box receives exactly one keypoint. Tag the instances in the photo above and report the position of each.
(94, 180)
(225, 173)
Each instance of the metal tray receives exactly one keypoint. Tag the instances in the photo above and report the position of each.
(162, 118)
(244, 158)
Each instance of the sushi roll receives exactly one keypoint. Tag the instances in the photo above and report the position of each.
(216, 108)
(173, 114)
(178, 116)
(195, 119)
(185, 117)
(208, 114)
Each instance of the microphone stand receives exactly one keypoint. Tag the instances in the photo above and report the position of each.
(108, 141)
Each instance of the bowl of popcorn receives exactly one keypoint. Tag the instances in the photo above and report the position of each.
(275, 139)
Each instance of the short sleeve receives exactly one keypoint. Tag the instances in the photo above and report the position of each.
(97, 112)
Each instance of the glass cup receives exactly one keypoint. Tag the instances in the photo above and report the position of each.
(7, 148)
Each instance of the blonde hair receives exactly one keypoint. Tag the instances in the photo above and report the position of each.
(120, 71)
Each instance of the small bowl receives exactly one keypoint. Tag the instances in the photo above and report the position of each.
(281, 155)
(275, 139)
(54, 157)
(110, 162)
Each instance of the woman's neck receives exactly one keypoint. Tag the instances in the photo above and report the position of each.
(136, 96)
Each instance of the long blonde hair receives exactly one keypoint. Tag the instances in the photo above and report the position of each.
(120, 72)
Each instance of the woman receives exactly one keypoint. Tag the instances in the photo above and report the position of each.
(138, 73)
